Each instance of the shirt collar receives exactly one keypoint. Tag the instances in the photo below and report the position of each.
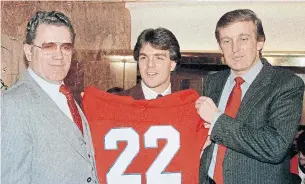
(49, 88)
(250, 75)
(150, 94)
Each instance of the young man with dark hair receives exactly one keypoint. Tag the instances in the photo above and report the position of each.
(157, 52)
(163, 136)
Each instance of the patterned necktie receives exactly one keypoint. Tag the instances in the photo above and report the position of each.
(232, 107)
(72, 106)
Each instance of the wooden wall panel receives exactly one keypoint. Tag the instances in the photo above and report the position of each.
(101, 29)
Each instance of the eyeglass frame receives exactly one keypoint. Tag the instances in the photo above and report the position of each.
(57, 44)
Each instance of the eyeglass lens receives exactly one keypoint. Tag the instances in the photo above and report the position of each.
(51, 47)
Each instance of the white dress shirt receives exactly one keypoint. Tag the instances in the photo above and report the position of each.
(53, 91)
(150, 94)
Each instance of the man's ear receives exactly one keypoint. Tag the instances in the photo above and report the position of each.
(260, 45)
(221, 52)
(27, 51)
(173, 65)
(219, 47)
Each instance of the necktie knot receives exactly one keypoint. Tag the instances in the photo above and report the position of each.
(159, 95)
(239, 81)
(64, 90)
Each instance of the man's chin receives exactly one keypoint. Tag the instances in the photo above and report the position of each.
(151, 85)
(55, 80)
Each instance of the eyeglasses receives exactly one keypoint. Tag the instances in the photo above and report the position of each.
(50, 48)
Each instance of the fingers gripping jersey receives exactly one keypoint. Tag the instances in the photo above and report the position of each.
(145, 141)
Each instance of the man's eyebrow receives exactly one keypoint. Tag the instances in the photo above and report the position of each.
(244, 34)
(156, 54)
(160, 54)
(241, 34)
(226, 37)
(142, 54)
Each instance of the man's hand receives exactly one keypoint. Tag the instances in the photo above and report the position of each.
(207, 125)
(206, 109)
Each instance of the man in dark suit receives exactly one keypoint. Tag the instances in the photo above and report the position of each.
(45, 137)
(253, 109)
(157, 52)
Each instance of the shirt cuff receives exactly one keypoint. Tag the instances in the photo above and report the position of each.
(214, 121)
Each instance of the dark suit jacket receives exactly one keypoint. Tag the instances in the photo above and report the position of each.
(259, 137)
(136, 92)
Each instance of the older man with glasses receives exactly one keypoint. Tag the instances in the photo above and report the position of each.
(45, 135)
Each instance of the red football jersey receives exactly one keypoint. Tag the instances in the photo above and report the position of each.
(145, 141)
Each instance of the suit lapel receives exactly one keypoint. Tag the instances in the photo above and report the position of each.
(48, 108)
(217, 88)
(175, 85)
(137, 92)
(257, 89)
(214, 92)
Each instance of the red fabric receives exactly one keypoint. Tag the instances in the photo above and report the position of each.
(232, 107)
(72, 106)
(294, 165)
(176, 112)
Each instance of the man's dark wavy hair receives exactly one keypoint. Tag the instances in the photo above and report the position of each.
(159, 38)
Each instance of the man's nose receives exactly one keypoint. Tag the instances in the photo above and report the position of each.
(57, 55)
(235, 46)
(151, 63)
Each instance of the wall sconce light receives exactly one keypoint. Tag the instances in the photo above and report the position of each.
(124, 60)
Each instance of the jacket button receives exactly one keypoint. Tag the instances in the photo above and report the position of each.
(88, 179)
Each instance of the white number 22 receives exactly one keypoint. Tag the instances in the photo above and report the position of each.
(155, 173)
